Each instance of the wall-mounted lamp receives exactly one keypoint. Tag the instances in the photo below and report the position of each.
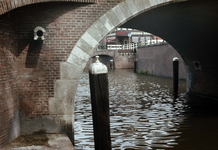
(39, 33)
(197, 65)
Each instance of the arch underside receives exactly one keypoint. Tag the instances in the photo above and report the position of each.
(167, 19)
(8, 5)
(189, 26)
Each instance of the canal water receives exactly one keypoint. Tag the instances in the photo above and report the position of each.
(144, 115)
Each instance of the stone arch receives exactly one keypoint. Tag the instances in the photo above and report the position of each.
(71, 70)
(6, 5)
(103, 58)
(106, 24)
(106, 53)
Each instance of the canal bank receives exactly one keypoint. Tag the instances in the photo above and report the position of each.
(40, 142)
(158, 59)
(144, 115)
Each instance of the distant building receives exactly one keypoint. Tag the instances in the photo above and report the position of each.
(126, 38)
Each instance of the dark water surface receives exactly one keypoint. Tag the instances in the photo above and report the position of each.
(144, 116)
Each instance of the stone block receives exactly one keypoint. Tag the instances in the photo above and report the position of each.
(62, 106)
(80, 53)
(69, 71)
(47, 124)
(157, 2)
(107, 23)
(113, 18)
(132, 6)
(57, 106)
(73, 59)
(84, 46)
(65, 88)
(163, 1)
(15, 129)
(142, 4)
(118, 12)
(125, 9)
(66, 119)
(30, 126)
(50, 126)
(89, 39)
(95, 33)
(100, 26)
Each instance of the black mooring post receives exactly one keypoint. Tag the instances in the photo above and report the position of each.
(175, 76)
(135, 66)
(98, 77)
(135, 63)
(111, 64)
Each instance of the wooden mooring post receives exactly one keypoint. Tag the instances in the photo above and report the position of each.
(111, 64)
(175, 76)
(98, 78)
(135, 65)
(135, 62)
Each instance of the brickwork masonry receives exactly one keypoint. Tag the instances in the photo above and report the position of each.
(9, 100)
(47, 72)
(35, 75)
(159, 60)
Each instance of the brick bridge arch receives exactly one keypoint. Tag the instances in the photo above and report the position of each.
(61, 106)
(71, 70)
(8, 5)
(105, 52)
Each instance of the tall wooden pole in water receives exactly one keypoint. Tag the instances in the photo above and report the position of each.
(175, 76)
(98, 77)
(135, 63)
(111, 64)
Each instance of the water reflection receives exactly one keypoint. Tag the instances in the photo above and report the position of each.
(143, 113)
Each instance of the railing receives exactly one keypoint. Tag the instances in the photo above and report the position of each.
(152, 42)
(125, 46)
(114, 47)
(130, 46)
(134, 45)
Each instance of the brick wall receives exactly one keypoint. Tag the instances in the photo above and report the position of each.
(8, 5)
(39, 62)
(37, 65)
(9, 111)
(124, 61)
(159, 60)
(121, 61)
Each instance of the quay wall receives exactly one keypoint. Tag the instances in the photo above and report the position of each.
(159, 60)
(121, 61)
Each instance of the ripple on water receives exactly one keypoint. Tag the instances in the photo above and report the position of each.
(141, 113)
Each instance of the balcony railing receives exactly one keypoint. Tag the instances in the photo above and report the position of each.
(134, 45)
